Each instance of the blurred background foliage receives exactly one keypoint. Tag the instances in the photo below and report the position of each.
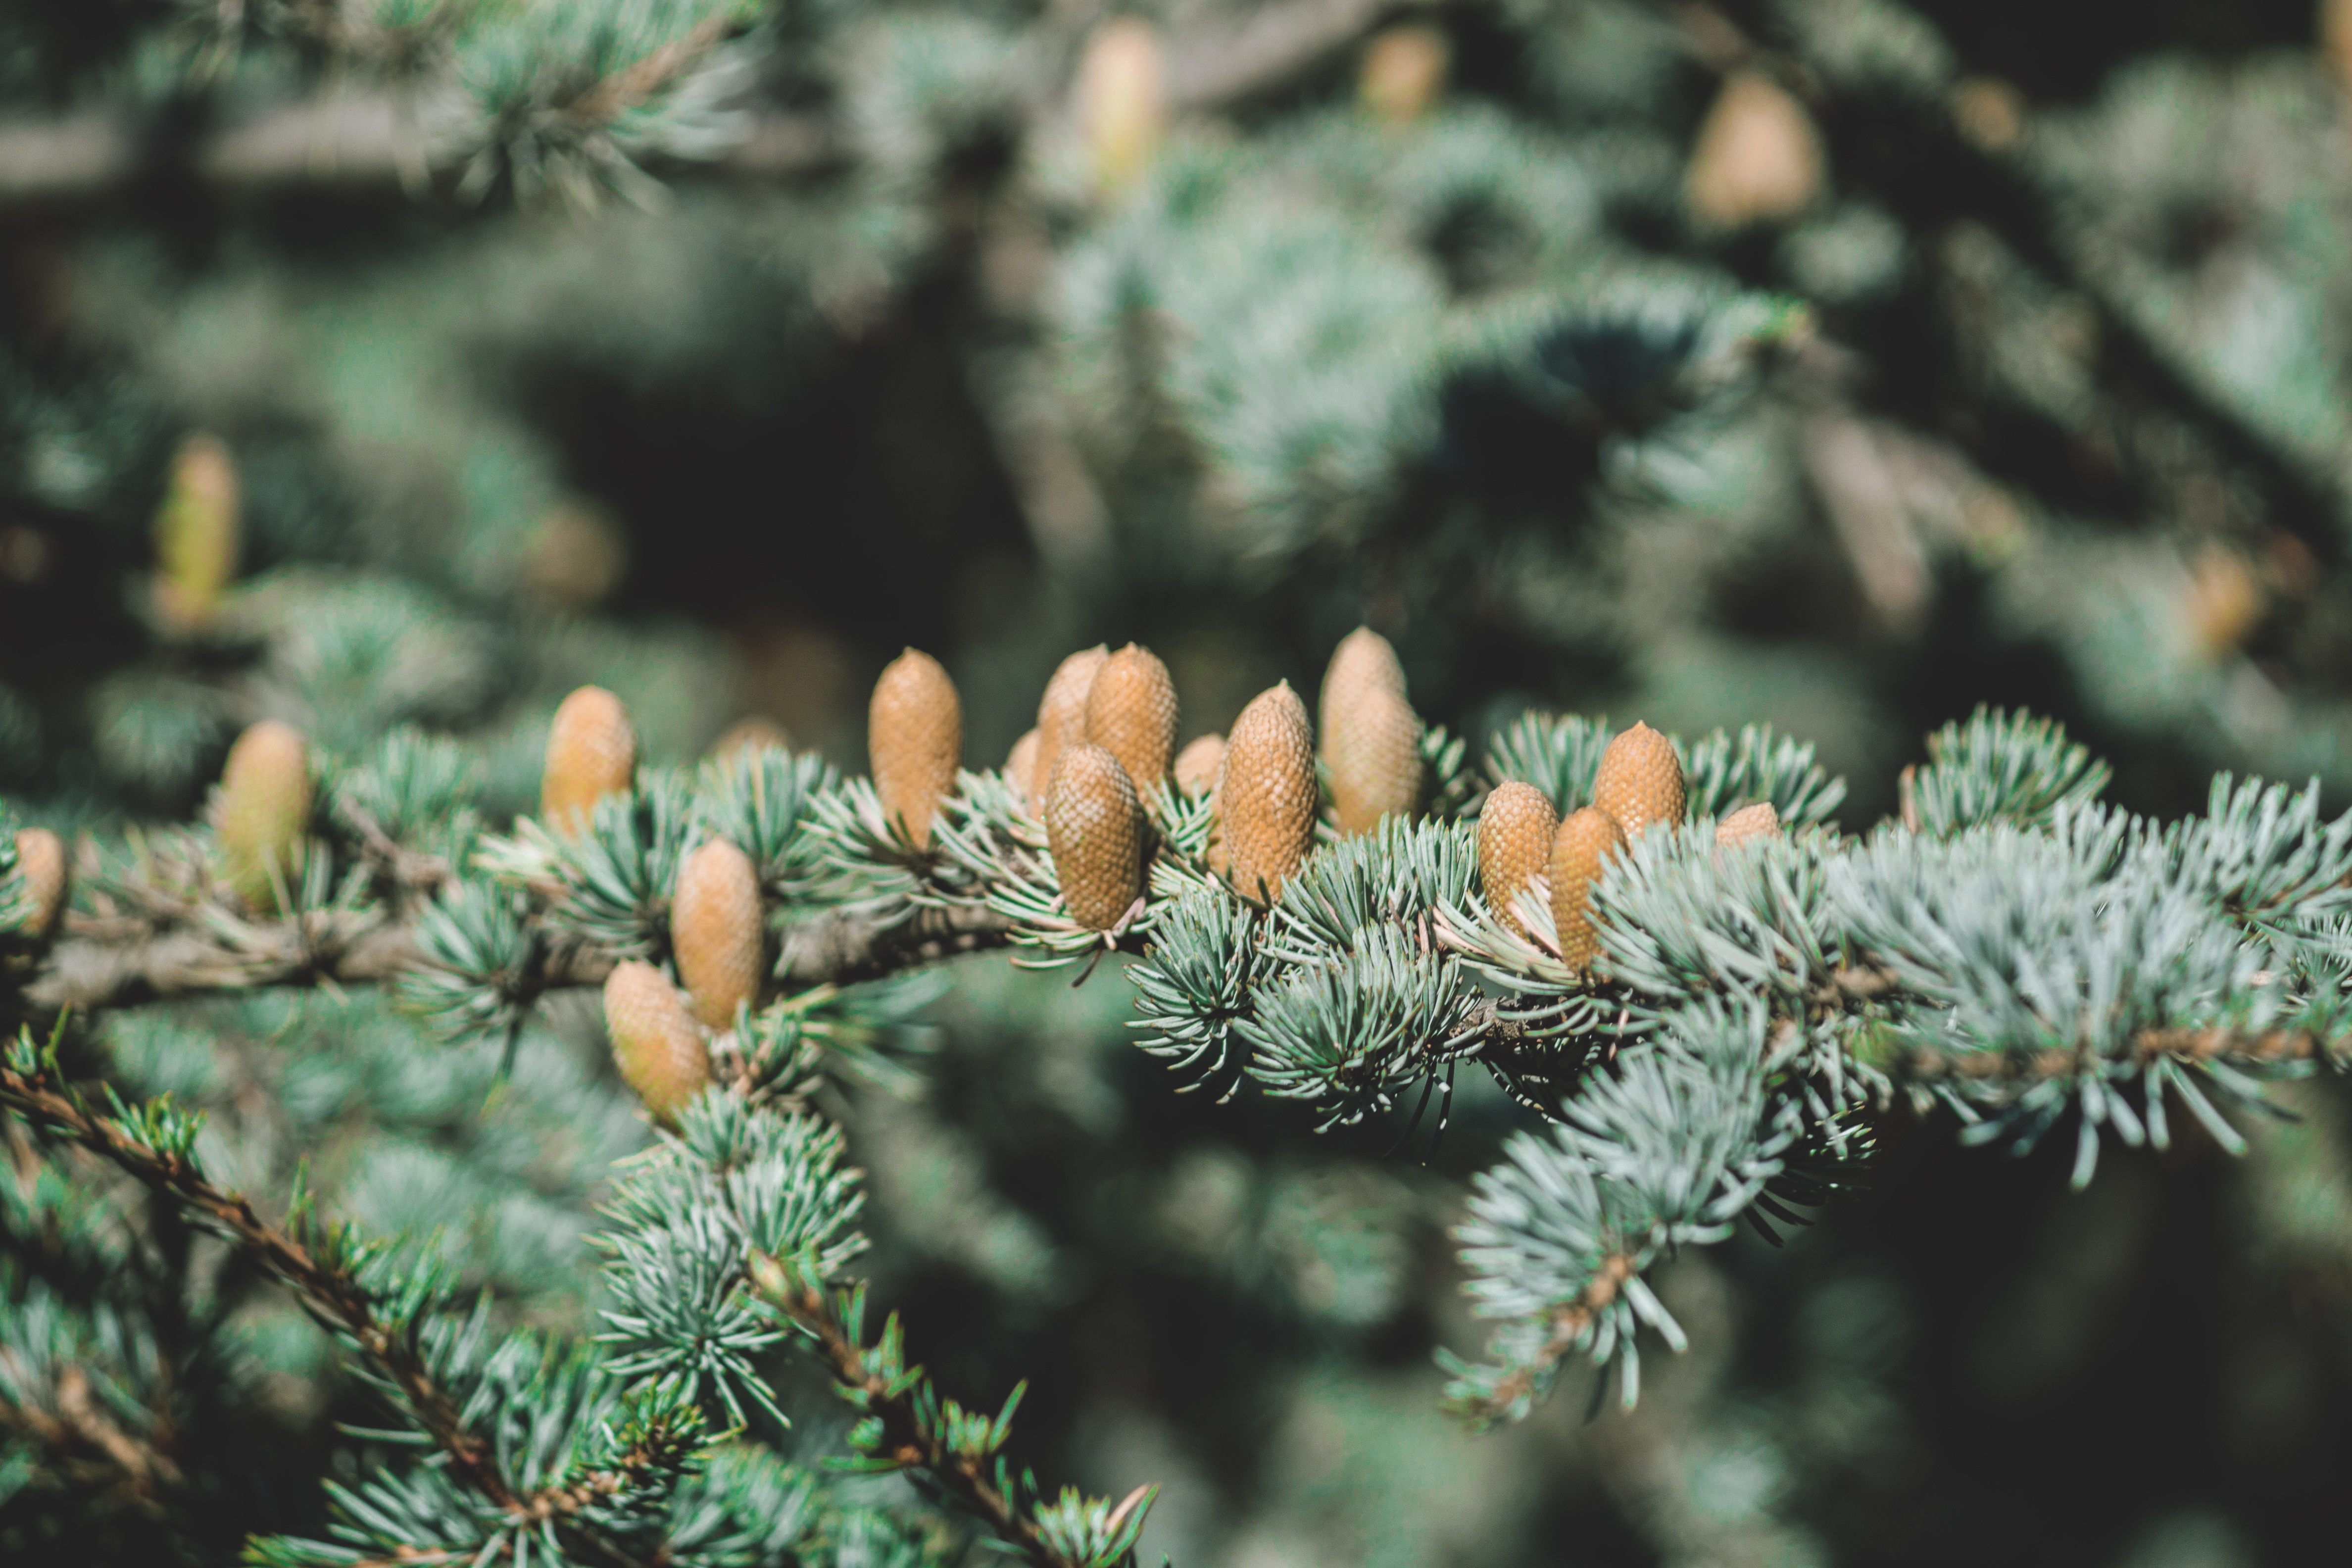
(1836, 364)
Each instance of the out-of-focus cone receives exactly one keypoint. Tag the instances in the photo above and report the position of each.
(1021, 761)
(718, 932)
(1371, 735)
(1094, 826)
(1750, 822)
(655, 1042)
(1131, 714)
(1988, 114)
(198, 533)
(1587, 840)
(1122, 101)
(914, 737)
(754, 733)
(575, 556)
(1197, 765)
(1515, 830)
(263, 810)
(2335, 39)
(1403, 71)
(1062, 718)
(1641, 781)
(591, 752)
(1759, 158)
(2223, 605)
(1265, 796)
(41, 862)
(1364, 661)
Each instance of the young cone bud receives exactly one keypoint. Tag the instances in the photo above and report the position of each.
(1061, 717)
(1131, 714)
(755, 733)
(41, 861)
(262, 810)
(196, 532)
(1586, 839)
(1757, 821)
(1021, 763)
(1641, 781)
(1123, 99)
(1516, 829)
(717, 931)
(1759, 158)
(591, 753)
(1265, 796)
(655, 1044)
(914, 735)
(1197, 765)
(1094, 825)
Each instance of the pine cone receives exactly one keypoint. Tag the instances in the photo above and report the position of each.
(1131, 714)
(1021, 763)
(1265, 796)
(1515, 830)
(1362, 662)
(263, 810)
(1403, 72)
(1197, 765)
(41, 862)
(1373, 751)
(1094, 825)
(196, 532)
(591, 753)
(718, 932)
(1061, 717)
(1757, 821)
(655, 1042)
(1759, 158)
(755, 733)
(1587, 840)
(914, 735)
(1641, 781)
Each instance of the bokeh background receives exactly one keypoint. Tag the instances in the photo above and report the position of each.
(1842, 364)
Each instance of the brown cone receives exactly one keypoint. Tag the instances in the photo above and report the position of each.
(41, 861)
(1131, 714)
(1094, 825)
(1362, 662)
(591, 753)
(756, 733)
(1021, 763)
(1265, 796)
(1587, 840)
(197, 532)
(914, 735)
(660, 1051)
(263, 810)
(1641, 781)
(1197, 765)
(1757, 821)
(1759, 158)
(1061, 717)
(1373, 750)
(717, 931)
(1516, 829)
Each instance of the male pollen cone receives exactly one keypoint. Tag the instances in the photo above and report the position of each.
(750, 736)
(1061, 717)
(717, 931)
(262, 810)
(1586, 840)
(41, 861)
(914, 738)
(1021, 761)
(1094, 826)
(655, 1042)
(1131, 714)
(591, 753)
(1265, 796)
(1757, 821)
(1759, 158)
(196, 531)
(1641, 781)
(1373, 750)
(1197, 765)
(1362, 662)
(1515, 830)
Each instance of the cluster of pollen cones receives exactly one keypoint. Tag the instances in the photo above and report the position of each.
(1522, 837)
